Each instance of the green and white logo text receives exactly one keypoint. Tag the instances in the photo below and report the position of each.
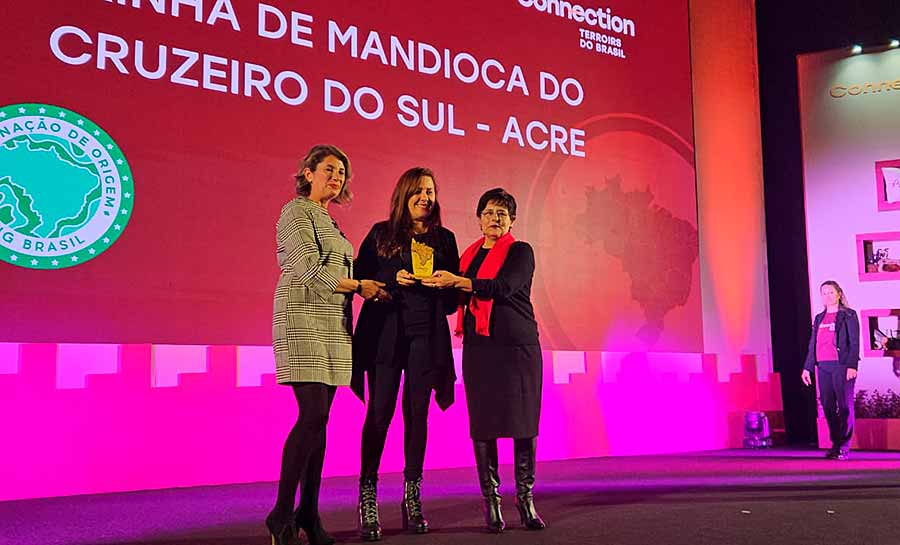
(66, 191)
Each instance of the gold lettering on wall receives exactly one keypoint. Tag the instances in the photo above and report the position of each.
(842, 90)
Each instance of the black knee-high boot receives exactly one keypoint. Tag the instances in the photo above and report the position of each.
(525, 450)
(489, 480)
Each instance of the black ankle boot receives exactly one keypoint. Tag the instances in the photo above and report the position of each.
(525, 450)
(315, 532)
(411, 508)
(282, 533)
(489, 480)
(369, 523)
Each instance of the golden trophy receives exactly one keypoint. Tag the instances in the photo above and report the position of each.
(422, 260)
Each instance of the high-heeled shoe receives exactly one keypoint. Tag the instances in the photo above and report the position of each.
(315, 532)
(282, 533)
(531, 520)
(411, 508)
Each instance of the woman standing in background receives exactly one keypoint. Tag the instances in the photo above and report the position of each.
(834, 347)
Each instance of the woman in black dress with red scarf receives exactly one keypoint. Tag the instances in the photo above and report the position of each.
(502, 364)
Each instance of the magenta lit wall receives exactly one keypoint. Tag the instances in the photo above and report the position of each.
(102, 418)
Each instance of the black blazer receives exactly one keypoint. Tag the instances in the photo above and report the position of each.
(846, 338)
(378, 327)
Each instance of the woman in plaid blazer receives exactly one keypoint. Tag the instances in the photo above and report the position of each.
(311, 328)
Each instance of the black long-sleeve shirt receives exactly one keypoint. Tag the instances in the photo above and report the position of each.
(512, 315)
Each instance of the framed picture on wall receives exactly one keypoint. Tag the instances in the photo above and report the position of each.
(878, 256)
(887, 179)
(881, 332)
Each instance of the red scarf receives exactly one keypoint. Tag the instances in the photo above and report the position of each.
(479, 306)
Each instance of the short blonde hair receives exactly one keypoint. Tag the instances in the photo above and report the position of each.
(316, 155)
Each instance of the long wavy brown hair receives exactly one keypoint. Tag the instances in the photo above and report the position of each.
(399, 230)
(842, 297)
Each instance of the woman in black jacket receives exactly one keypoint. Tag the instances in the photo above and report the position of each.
(405, 335)
(834, 347)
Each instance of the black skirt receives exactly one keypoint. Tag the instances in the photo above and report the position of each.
(503, 389)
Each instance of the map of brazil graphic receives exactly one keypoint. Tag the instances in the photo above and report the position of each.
(624, 218)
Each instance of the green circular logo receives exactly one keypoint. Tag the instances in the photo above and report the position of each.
(66, 192)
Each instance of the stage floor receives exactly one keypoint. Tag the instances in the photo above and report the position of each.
(724, 498)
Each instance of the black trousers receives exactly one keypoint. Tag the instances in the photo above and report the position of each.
(412, 360)
(304, 453)
(837, 402)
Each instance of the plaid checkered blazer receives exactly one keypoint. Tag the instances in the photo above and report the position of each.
(312, 325)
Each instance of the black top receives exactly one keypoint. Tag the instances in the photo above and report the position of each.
(414, 310)
(512, 315)
(417, 302)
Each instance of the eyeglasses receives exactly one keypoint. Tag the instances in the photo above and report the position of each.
(500, 214)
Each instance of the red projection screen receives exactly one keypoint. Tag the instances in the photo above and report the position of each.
(146, 148)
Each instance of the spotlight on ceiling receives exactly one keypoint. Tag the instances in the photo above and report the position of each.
(895, 43)
(856, 49)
